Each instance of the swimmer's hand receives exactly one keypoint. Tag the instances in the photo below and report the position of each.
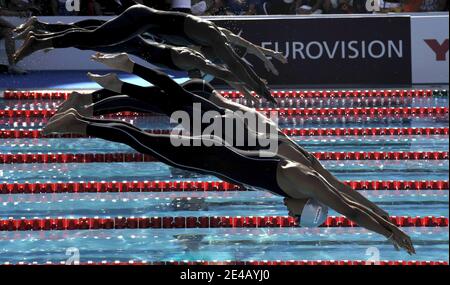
(401, 240)
(274, 54)
(270, 67)
(247, 94)
(119, 61)
(264, 91)
(279, 56)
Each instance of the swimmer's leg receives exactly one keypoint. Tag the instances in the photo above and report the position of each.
(111, 102)
(131, 23)
(84, 102)
(56, 124)
(34, 23)
(167, 102)
(102, 94)
(178, 96)
(44, 30)
(120, 103)
(193, 156)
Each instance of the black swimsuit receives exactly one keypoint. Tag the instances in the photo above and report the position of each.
(133, 22)
(223, 162)
(242, 166)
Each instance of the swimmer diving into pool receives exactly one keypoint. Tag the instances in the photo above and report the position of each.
(162, 55)
(290, 172)
(176, 28)
(138, 45)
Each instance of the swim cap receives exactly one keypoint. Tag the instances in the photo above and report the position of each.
(314, 214)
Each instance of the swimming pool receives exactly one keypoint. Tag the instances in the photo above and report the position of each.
(223, 243)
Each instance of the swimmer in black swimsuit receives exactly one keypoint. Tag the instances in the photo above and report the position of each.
(287, 149)
(161, 55)
(149, 99)
(136, 46)
(174, 27)
(309, 190)
(6, 34)
(104, 101)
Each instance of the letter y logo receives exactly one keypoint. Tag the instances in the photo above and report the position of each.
(440, 50)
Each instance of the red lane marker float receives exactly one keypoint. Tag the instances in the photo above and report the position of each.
(34, 134)
(251, 263)
(305, 112)
(62, 95)
(138, 157)
(62, 224)
(357, 93)
(191, 186)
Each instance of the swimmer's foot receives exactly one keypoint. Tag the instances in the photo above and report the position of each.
(109, 81)
(39, 34)
(79, 102)
(30, 23)
(60, 114)
(30, 46)
(24, 34)
(120, 61)
(69, 122)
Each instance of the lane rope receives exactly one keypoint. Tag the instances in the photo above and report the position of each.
(193, 186)
(95, 223)
(293, 132)
(41, 158)
(283, 112)
(302, 102)
(62, 95)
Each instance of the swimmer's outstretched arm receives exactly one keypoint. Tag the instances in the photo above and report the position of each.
(192, 155)
(122, 103)
(302, 156)
(347, 190)
(258, 51)
(314, 185)
(190, 62)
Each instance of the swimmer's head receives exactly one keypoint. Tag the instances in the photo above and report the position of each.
(311, 213)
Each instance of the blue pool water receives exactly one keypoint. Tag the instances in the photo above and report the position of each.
(221, 244)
